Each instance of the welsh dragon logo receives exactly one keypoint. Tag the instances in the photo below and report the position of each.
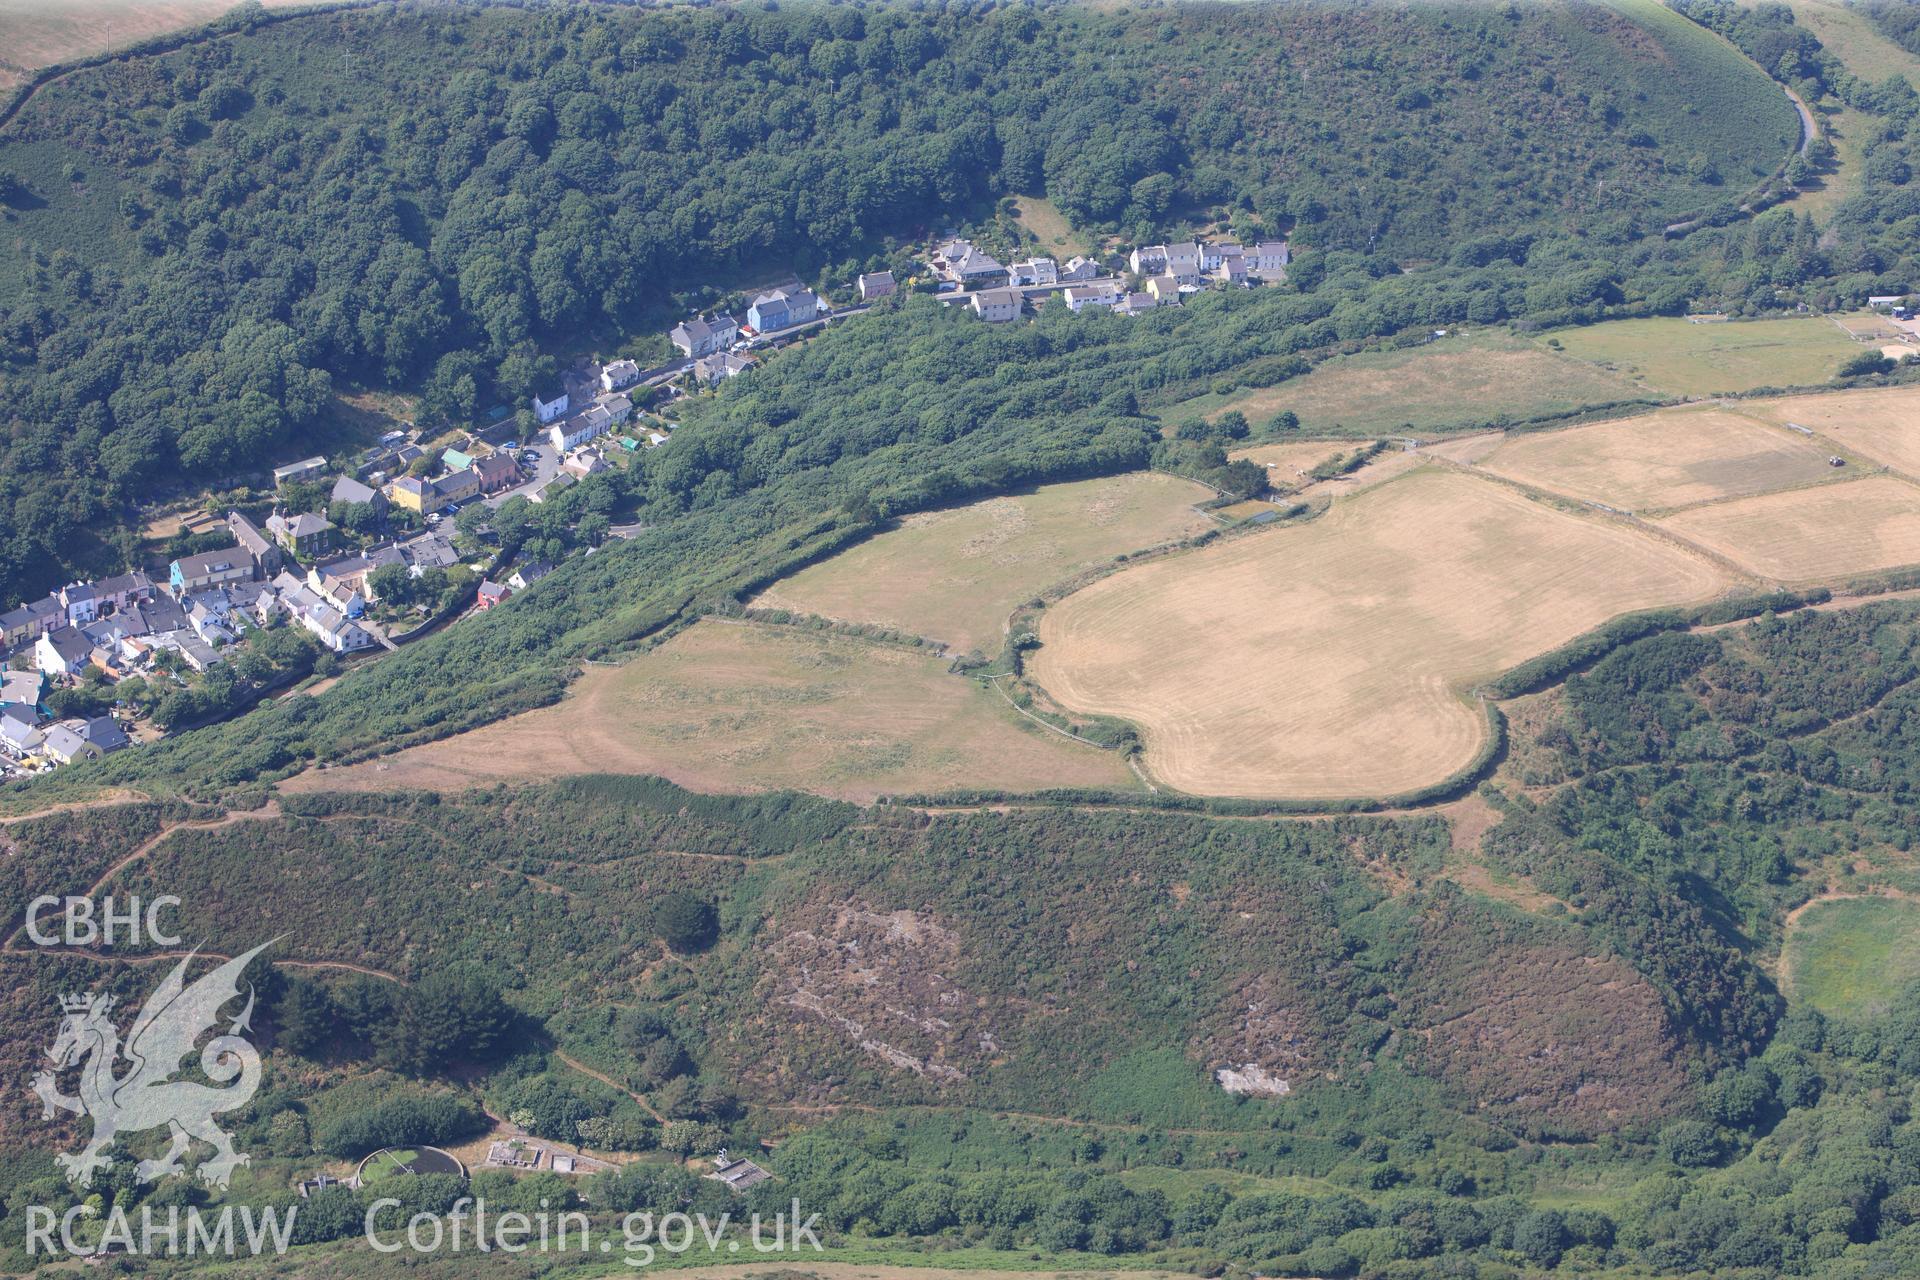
(146, 1096)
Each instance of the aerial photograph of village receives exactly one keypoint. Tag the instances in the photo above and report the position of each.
(909, 639)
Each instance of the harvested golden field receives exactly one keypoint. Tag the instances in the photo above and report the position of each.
(1448, 385)
(742, 707)
(1329, 659)
(1813, 535)
(1662, 460)
(1883, 424)
(955, 575)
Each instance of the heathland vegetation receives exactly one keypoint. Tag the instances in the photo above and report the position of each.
(1052, 1082)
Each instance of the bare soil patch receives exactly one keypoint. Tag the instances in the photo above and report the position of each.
(1328, 660)
(731, 707)
(955, 575)
(1813, 535)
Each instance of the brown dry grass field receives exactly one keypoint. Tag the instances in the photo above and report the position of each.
(1451, 384)
(1869, 324)
(742, 707)
(1327, 660)
(1813, 535)
(955, 575)
(1290, 460)
(1882, 424)
(1662, 460)
(37, 33)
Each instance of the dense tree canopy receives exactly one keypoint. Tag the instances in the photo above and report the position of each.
(216, 237)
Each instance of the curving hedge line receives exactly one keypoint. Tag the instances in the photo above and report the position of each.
(1454, 785)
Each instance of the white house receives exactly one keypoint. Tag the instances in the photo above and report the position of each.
(1268, 260)
(580, 428)
(620, 373)
(961, 262)
(1078, 269)
(548, 410)
(1034, 271)
(83, 606)
(1081, 296)
(334, 631)
(18, 733)
(1147, 260)
(62, 652)
(1213, 255)
(996, 306)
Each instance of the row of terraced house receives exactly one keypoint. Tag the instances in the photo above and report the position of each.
(1168, 272)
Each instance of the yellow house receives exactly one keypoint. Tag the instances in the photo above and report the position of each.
(410, 494)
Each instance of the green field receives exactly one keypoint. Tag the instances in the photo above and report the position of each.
(1676, 357)
(1456, 383)
(1854, 957)
(1056, 235)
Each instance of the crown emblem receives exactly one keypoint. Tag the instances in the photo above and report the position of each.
(83, 1003)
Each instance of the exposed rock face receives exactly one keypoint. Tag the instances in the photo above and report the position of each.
(1252, 1079)
(878, 981)
(1265, 1042)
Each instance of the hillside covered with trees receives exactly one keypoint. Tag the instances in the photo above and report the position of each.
(215, 239)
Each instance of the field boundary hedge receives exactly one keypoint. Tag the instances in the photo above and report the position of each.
(1451, 787)
(1589, 647)
(236, 21)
